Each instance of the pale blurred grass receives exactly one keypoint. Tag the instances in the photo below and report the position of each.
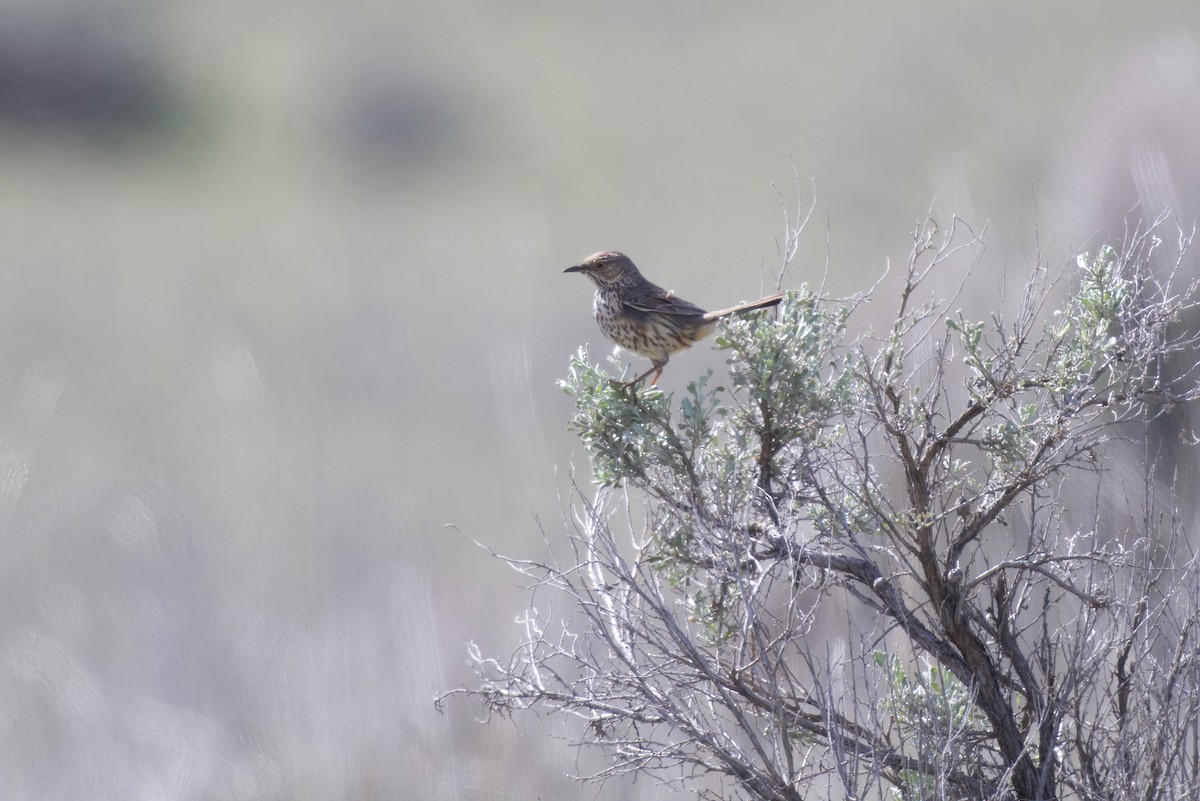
(257, 352)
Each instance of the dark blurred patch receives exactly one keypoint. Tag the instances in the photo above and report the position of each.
(385, 114)
(80, 71)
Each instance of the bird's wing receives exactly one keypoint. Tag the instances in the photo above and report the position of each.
(659, 300)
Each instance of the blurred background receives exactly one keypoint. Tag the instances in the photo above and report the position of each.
(281, 297)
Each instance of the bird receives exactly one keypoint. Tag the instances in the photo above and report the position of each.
(645, 318)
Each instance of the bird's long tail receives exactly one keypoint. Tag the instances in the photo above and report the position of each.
(761, 303)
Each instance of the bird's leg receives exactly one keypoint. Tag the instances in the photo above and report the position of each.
(656, 368)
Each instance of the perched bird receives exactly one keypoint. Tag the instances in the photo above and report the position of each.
(645, 318)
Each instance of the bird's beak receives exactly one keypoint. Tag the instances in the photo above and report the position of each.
(578, 268)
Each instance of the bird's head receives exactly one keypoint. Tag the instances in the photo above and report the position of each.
(607, 268)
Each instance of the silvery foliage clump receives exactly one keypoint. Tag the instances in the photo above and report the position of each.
(897, 564)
